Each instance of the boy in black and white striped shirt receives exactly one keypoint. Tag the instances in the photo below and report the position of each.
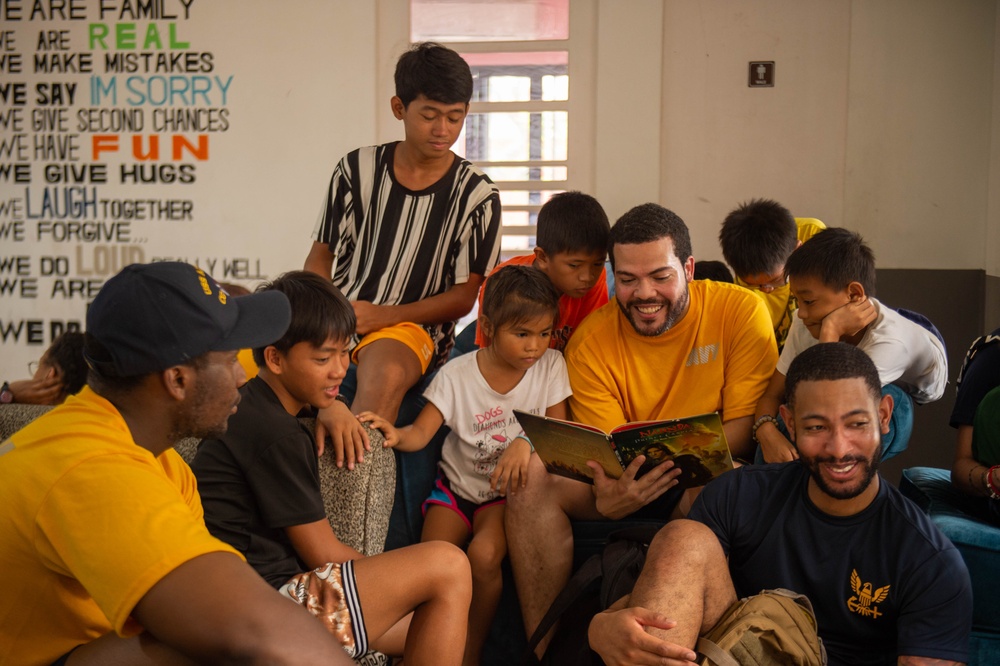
(407, 231)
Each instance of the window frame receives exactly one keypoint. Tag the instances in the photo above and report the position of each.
(394, 37)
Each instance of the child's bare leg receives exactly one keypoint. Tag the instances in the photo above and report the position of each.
(432, 581)
(386, 371)
(393, 642)
(444, 524)
(486, 552)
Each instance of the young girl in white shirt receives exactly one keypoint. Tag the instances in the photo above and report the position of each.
(485, 455)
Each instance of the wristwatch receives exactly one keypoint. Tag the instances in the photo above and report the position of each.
(6, 395)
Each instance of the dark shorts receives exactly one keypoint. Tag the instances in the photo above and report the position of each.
(442, 495)
(662, 507)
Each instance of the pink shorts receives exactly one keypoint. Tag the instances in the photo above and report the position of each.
(441, 495)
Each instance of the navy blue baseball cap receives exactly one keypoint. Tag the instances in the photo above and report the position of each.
(151, 317)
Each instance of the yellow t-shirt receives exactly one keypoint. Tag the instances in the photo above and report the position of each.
(780, 303)
(90, 521)
(245, 358)
(719, 357)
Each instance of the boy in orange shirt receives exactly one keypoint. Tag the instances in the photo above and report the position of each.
(572, 241)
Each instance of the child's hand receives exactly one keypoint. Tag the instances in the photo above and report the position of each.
(847, 320)
(512, 469)
(388, 430)
(370, 317)
(350, 441)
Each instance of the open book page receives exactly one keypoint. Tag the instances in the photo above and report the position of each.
(565, 447)
(697, 444)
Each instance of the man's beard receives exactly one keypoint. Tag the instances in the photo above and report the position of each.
(194, 418)
(675, 310)
(870, 469)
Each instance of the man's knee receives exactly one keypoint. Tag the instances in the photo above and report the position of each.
(387, 369)
(686, 539)
(389, 365)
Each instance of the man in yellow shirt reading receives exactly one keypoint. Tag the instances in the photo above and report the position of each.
(665, 347)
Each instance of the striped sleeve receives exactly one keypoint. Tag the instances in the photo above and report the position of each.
(393, 246)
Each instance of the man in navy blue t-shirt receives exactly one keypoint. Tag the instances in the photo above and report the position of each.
(886, 585)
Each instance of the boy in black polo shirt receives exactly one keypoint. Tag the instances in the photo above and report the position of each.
(260, 489)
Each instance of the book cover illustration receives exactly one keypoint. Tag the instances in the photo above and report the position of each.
(696, 444)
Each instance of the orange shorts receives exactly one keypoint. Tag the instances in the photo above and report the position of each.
(412, 335)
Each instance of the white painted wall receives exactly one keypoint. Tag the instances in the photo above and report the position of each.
(306, 74)
(724, 142)
(919, 122)
(884, 118)
(627, 105)
(302, 94)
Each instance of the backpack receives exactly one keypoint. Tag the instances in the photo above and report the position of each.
(599, 582)
(773, 627)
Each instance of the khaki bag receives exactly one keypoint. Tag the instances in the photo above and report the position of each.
(773, 627)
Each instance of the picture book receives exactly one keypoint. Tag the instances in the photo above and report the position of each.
(697, 444)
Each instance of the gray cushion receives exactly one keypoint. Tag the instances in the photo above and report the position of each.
(14, 417)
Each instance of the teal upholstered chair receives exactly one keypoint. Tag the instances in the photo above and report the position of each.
(976, 540)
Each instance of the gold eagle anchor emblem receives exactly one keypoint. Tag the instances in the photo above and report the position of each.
(864, 600)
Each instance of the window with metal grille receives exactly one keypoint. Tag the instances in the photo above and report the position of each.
(527, 122)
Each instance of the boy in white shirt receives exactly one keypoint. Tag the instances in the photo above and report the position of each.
(833, 278)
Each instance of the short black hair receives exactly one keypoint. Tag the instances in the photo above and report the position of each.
(66, 354)
(836, 257)
(647, 223)
(712, 270)
(517, 293)
(758, 237)
(319, 312)
(830, 361)
(572, 222)
(434, 71)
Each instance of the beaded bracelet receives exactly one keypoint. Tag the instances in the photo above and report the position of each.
(766, 418)
(991, 484)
